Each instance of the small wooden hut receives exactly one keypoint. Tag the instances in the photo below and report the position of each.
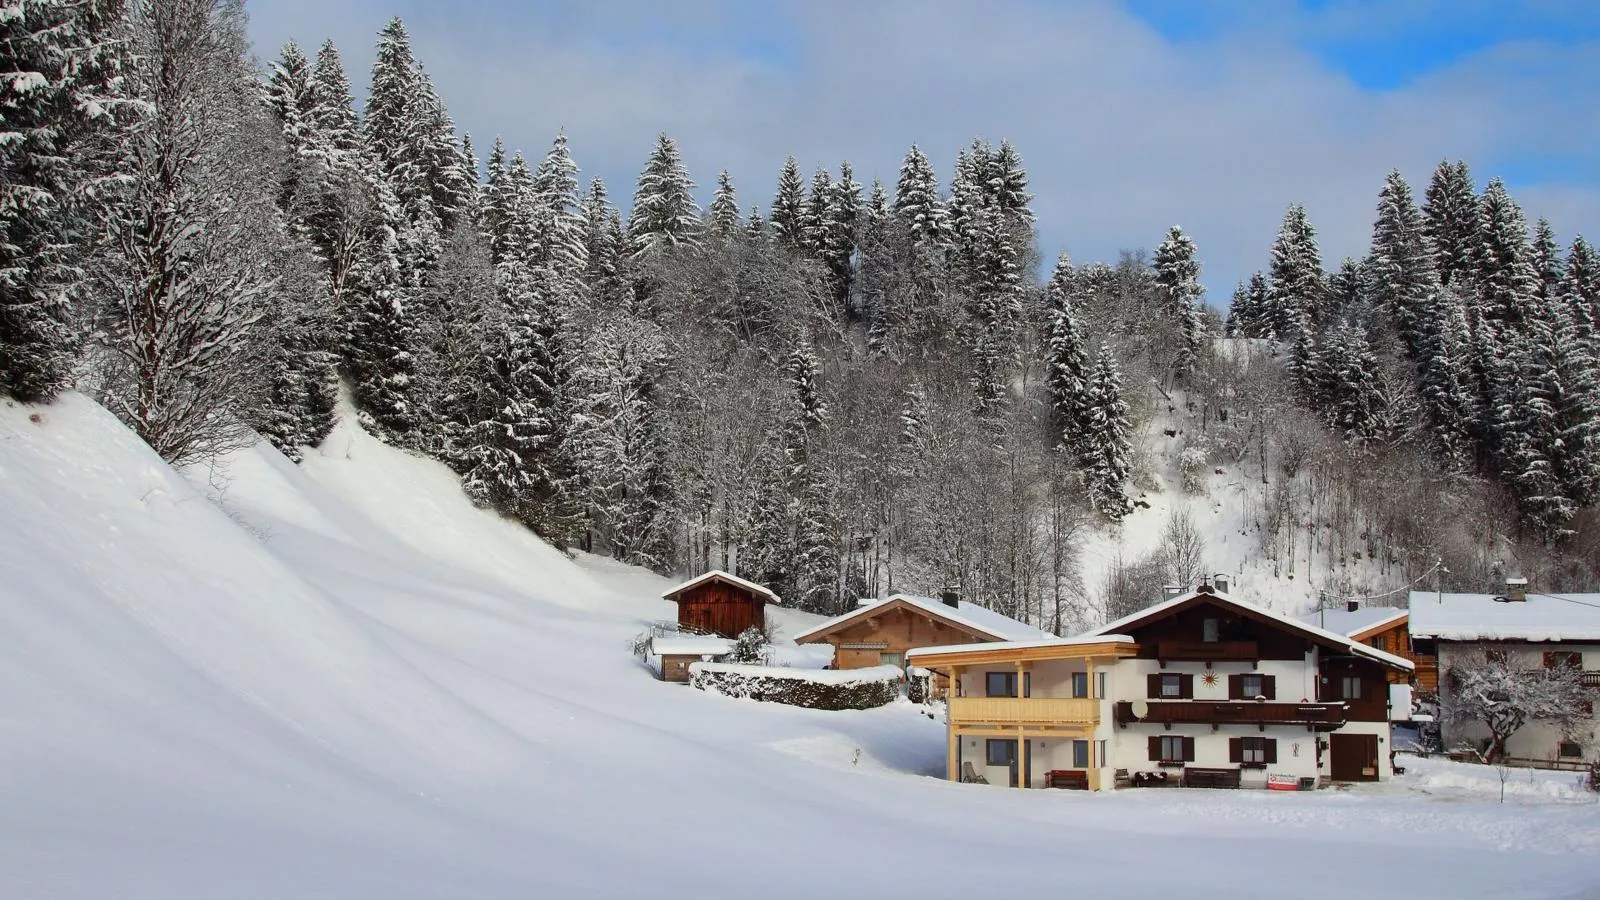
(719, 603)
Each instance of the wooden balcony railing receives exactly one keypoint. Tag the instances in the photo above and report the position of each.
(1023, 711)
(1206, 651)
(1250, 713)
(1591, 679)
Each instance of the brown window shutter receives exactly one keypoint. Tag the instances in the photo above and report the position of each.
(1188, 749)
(1269, 687)
(1235, 749)
(1187, 689)
(1235, 688)
(1153, 685)
(1155, 748)
(1272, 750)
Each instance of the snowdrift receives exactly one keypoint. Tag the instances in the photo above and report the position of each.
(341, 680)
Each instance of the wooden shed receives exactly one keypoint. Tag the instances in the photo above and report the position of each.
(678, 653)
(719, 603)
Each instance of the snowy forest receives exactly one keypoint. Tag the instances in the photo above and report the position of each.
(841, 390)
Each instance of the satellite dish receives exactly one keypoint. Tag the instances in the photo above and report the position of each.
(1139, 708)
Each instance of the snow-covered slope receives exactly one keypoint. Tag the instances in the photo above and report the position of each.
(341, 680)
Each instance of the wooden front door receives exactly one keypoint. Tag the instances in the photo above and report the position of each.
(1355, 757)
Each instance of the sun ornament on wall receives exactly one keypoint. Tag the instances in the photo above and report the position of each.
(1209, 679)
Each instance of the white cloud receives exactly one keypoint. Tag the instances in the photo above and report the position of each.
(1123, 131)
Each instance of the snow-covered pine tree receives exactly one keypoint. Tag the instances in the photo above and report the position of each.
(1066, 362)
(1108, 459)
(1178, 279)
(664, 214)
(1451, 223)
(523, 463)
(1582, 285)
(1506, 278)
(1577, 373)
(1351, 395)
(814, 213)
(1296, 295)
(1007, 188)
(603, 252)
(622, 444)
(1527, 421)
(1402, 268)
(188, 272)
(788, 206)
(59, 65)
(995, 311)
(722, 217)
(1548, 266)
(838, 244)
(297, 409)
(917, 204)
(755, 228)
(335, 112)
(1445, 379)
(1250, 308)
(560, 229)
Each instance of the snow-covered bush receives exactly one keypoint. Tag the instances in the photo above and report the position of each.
(810, 688)
(1193, 465)
(751, 647)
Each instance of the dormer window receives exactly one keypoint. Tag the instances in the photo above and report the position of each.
(1208, 631)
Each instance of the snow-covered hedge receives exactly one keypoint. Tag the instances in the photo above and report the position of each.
(811, 688)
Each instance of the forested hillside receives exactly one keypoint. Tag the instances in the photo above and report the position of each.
(844, 390)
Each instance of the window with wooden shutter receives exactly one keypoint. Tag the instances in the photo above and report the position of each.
(1188, 749)
(1235, 687)
(1153, 686)
(1563, 659)
(1255, 752)
(1155, 748)
(1186, 687)
(1272, 751)
(1269, 687)
(1235, 750)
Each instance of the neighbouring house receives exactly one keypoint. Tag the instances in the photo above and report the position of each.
(1200, 690)
(722, 604)
(1524, 627)
(678, 652)
(1386, 628)
(880, 632)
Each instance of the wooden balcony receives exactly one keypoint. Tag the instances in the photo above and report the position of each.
(1040, 711)
(1207, 712)
(1591, 679)
(1207, 651)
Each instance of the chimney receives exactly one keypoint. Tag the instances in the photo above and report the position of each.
(1352, 605)
(1516, 589)
(951, 599)
(1221, 581)
(1170, 591)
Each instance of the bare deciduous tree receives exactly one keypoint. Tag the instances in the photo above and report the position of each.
(1511, 689)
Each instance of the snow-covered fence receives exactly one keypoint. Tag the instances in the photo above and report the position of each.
(810, 688)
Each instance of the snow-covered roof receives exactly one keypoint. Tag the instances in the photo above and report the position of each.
(977, 619)
(1321, 634)
(1350, 623)
(1480, 617)
(690, 646)
(719, 575)
(1080, 641)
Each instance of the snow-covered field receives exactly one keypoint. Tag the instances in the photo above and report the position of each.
(341, 681)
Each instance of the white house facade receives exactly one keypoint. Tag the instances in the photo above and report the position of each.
(1201, 690)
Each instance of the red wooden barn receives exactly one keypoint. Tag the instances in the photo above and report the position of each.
(719, 603)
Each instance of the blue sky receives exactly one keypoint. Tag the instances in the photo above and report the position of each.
(1131, 116)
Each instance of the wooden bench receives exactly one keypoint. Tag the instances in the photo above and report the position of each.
(1210, 778)
(1071, 779)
